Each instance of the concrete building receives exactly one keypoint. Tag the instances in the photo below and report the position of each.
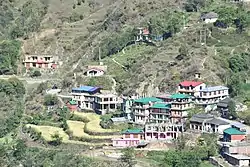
(85, 96)
(191, 88)
(95, 71)
(131, 138)
(127, 106)
(141, 109)
(234, 135)
(40, 61)
(163, 131)
(92, 98)
(210, 17)
(106, 102)
(211, 95)
(179, 106)
(203, 122)
(238, 160)
(159, 113)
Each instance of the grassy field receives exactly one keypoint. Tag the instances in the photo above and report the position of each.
(47, 131)
(78, 131)
(93, 126)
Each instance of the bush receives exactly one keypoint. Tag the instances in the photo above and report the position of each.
(36, 73)
(50, 100)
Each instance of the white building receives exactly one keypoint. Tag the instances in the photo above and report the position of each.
(190, 87)
(210, 17)
(141, 109)
(165, 131)
(212, 95)
(203, 122)
(107, 102)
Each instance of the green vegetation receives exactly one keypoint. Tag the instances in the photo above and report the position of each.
(12, 92)
(50, 100)
(187, 156)
(9, 55)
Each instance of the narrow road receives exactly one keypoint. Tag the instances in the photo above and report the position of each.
(113, 59)
(28, 80)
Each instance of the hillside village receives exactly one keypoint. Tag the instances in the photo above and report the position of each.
(140, 83)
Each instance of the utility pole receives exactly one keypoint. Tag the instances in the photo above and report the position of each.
(184, 22)
(99, 55)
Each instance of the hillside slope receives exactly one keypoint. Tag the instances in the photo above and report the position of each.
(75, 30)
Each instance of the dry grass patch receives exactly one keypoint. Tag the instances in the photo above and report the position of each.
(77, 129)
(93, 126)
(47, 131)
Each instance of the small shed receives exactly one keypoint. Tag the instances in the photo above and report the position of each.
(233, 135)
(237, 159)
(210, 17)
(72, 105)
(118, 120)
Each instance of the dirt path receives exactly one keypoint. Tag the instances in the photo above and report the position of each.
(119, 64)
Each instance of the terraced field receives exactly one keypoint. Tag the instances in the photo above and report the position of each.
(93, 126)
(47, 131)
(77, 129)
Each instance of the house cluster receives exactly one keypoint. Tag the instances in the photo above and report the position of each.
(95, 99)
(40, 61)
(164, 116)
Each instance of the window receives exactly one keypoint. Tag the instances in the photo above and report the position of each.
(127, 135)
(210, 93)
(135, 135)
(204, 93)
(106, 99)
(219, 92)
(116, 142)
(214, 92)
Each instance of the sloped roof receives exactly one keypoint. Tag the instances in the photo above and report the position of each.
(72, 102)
(190, 83)
(214, 88)
(210, 15)
(180, 96)
(216, 121)
(146, 100)
(161, 106)
(201, 117)
(133, 131)
(119, 119)
(233, 131)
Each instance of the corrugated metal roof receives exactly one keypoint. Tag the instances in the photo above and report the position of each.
(214, 88)
(180, 96)
(233, 131)
(146, 100)
(135, 131)
(86, 88)
(190, 83)
(161, 106)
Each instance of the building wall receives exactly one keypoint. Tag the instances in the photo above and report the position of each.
(98, 73)
(210, 20)
(190, 91)
(125, 143)
(238, 149)
(237, 137)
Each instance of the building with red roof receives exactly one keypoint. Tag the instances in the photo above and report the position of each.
(190, 87)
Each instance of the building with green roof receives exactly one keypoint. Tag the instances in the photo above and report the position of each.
(147, 100)
(141, 108)
(160, 113)
(180, 96)
(180, 105)
(233, 135)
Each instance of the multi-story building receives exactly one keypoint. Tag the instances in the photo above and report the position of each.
(40, 61)
(191, 88)
(85, 96)
(164, 131)
(203, 122)
(180, 104)
(141, 108)
(92, 98)
(159, 113)
(106, 103)
(211, 95)
(127, 106)
(165, 97)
